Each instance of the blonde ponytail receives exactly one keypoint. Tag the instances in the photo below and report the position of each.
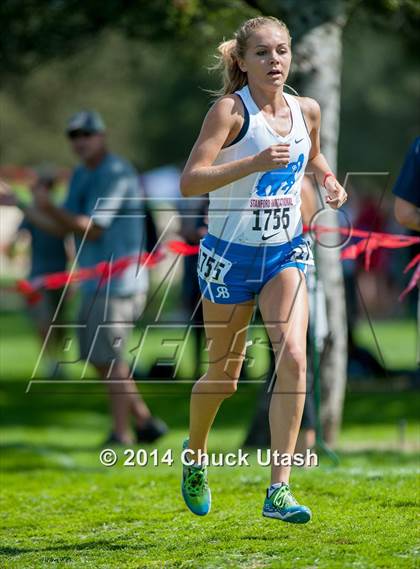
(229, 52)
(227, 63)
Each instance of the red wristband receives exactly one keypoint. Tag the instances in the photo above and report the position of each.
(327, 175)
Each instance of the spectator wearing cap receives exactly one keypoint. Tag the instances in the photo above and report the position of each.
(102, 211)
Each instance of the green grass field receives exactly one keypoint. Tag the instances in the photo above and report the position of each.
(61, 508)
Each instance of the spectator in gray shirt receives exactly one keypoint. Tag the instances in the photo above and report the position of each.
(102, 211)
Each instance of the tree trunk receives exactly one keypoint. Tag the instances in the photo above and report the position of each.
(318, 60)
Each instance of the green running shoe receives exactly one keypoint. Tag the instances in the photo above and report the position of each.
(282, 505)
(195, 489)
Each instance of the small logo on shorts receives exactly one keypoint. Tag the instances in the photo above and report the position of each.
(223, 292)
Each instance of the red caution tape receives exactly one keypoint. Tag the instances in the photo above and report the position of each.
(414, 279)
(24, 287)
(369, 242)
(182, 248)
(412, 263)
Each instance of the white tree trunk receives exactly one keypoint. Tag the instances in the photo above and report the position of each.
(318, 59)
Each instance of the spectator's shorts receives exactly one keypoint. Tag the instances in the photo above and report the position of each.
(231, 272)
(105, 323)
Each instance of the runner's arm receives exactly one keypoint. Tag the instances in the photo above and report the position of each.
(317, 163)
(200, 176)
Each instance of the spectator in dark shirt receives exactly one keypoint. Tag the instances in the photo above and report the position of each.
(407, 190)
(407, 203)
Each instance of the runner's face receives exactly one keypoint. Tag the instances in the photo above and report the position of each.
(268, 56)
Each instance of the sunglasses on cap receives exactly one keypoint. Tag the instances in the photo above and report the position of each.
(79, 133)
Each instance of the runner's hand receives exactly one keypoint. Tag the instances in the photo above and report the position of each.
(275, 156)
(336, 194)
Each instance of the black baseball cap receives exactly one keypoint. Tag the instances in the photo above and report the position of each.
(87, 121)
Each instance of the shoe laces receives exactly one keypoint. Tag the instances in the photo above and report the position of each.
(283, 497)
(196, 480)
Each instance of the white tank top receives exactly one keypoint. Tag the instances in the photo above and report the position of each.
(263, 207)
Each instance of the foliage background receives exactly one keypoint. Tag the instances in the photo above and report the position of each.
(151, 89)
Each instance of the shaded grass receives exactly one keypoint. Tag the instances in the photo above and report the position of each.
(392, 342)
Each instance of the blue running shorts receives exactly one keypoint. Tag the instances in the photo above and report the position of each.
(229, 273)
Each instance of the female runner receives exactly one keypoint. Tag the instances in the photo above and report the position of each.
(251, 155)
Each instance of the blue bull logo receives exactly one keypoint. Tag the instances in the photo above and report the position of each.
(281, 179)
